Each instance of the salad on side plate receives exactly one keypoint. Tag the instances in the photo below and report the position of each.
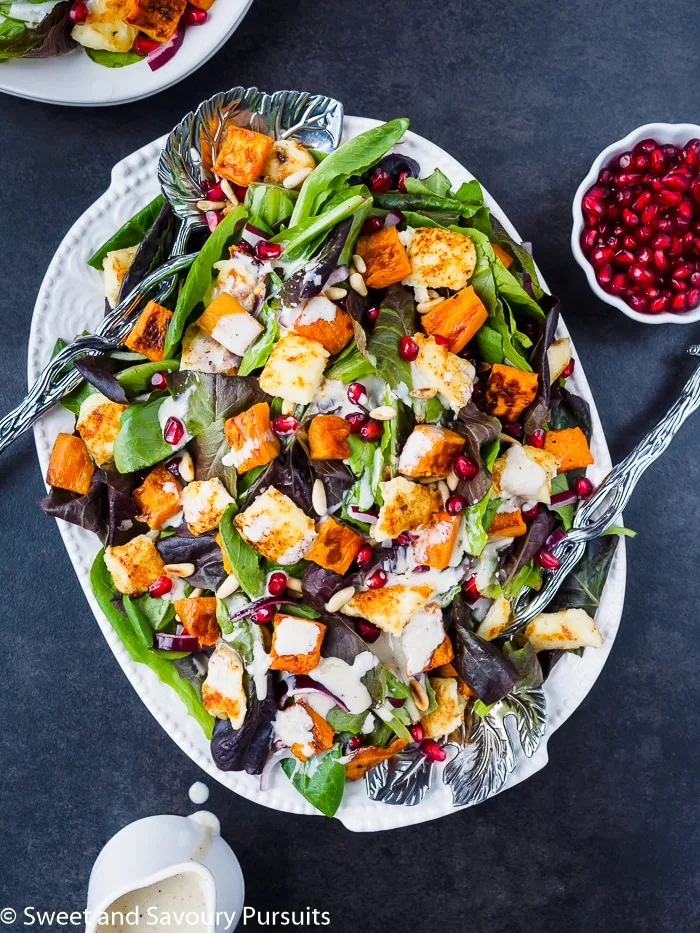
(114, 33)
(325, 468)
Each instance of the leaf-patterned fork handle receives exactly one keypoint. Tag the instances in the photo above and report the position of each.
(598, 513)
(53, 383)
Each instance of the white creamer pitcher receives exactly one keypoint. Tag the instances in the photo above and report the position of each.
(166, 864)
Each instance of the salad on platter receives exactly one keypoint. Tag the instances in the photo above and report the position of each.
(114, 33)
(325, 467)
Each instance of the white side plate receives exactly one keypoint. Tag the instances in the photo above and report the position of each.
(71, 300)
(75, 80)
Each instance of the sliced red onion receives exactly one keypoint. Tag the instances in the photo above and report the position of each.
(213, 219)
(266, 773)
(367, 517)
(568, 497)
(176, 642)
(339, 274)
(556, 536)
(253, 235)
(394, 218)
(302, 683)
(261, 604)
(162, 55)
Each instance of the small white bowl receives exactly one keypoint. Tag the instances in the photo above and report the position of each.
(676, 134)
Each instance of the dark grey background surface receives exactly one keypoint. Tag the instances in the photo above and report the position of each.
(606, 837)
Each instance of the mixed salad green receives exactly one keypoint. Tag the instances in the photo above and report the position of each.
(323, 470)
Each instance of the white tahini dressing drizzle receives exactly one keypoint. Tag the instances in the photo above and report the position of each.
(31, 13)
(521, 476)
(345, 680)
(422, 634)
(294, 726)
(295, 636)
(176, 408)
(198, 793)
(181, 896)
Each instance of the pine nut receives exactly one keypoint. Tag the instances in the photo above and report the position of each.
(424, 306)
(359, 263)
(228, 191)
(338, 600)
(179, 570)
(296, 179)
(383, 413)
(287, 408)
(357, 283)
(318, 498)
(424, 393)
(452, 481)
(229, 586)
(419, 694)
(154, 534)
(294, 584)
(196, 593)
(211, 205)
(186, 466)
(333, 293)
(444, 490)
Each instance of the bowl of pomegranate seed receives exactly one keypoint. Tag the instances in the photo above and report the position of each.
(636, 231)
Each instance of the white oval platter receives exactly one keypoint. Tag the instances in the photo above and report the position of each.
(76, 81)
(71, 300)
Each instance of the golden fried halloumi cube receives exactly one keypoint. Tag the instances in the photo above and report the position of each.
(440, 258)
(202, 354)
(436, 368)
(250, 436)
(276, 527)
(558, 357)
(296, 644)
(286, 157)
(230, 324)
(563, 630)
(134, 565)
(223, 693)
(451, 705)
(159, 497)
(295, 369)
(105, 27)
(98, 425)
(204, 502)
(423, 641)
(115, 266)
(241, 158)
(389, 607)
(430, 451)
(526, 472)
(495, 619)
(70, 466)
(157, 18)
(148, 334)
(406, 506)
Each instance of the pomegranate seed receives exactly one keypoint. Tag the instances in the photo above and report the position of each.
(657, 160)
(420, 568)
(433, 751)
(536, 439)
(593, 206)
(676, 247)
(513, 429)
(405, 538)
(588, 240)
(465, 467)
(601, 255)
(691, 152)
(604, 275)
(263, 615)
(642, 200)
(214, 192)
(641, 275)
(529, 515)
(583, 487)
(652, 293)
(372, 224)
(692, 297)
(695, 192)
(455, 505)
(661, 241)
(471, 594)
(370, 430)
(629, 242)
(357, 393)
(688, 241)
(143, 45)
(416, 731)
(683, 270)
(158, 381)
(630, 218)
(396, 702)
(213, 219)
(637, 302)
(284, 425)
(684, 214)
(401, 182)
(265, 250)
(679, 302)
(354, 742)
(675, 181)
(645, 145)
(666, 225)
(660, 260)
(641, 162)
(364, 555)
(619, 283)
(644, 255)
(568, 369)
(624, 180)
(669, 198)
(659, 304)
(377, 580)
(546, 559)
(355, 419)
(277, 583)
(160, 587)
(367, 631)
(645, 232)
(372, 313)
(679, 285)
(605, 177)
(612, 243)
(671, 152)
(379, 181)
(174, 431)
(408, 349)
(625, 160)
(442, 341)
(194, 17)
(78, 13)
(695, 280)
(648, 212)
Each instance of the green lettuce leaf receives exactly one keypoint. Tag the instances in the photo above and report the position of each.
(322, 782)
(242, 557)
(130, 234)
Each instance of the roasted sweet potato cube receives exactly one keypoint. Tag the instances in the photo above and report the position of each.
(157, 18)
(430, 451)
(202, 4)
(70, 466)
(320, 319)
(251, 438)
(385, 257)
(457, 318)
(227, 322)
(509, 391)
(507, 525)
(198, 617)
(158, 497)
(371, 755)
(321, 738)
(224, 556)
(501, 254)
(571, 446)
(148, 334)
(328, 438)
(336, 546)
(296, 644)
(242, 155)
(443, 654)
(436, 540)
